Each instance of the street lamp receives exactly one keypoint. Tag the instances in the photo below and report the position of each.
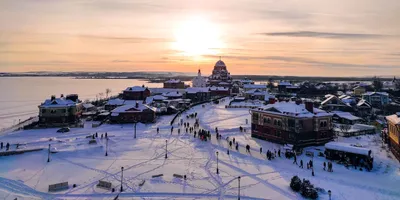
(239, 188)
(122, 176)
(106, 146)
(166, 151)
(48, 154)
(135, 122)
(217, 163)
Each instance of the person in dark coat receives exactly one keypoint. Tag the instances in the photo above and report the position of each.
(230, 144)
(324, 165)
(106, 135)
(260, 150)
(301, 163)
(96, 135)
(279, 153)
(237, 146)
(158, 130)
(295, 160)
(7, 146)
(233, 140)
(1, 145)
(179, 131)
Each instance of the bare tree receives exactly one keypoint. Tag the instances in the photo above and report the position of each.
(344, 128)
(108, 91)
(101, 95)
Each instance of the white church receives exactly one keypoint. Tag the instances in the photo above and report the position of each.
(199, 81)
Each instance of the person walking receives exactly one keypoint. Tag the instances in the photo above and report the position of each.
(230, 144)
(324, 165)
(295, 160)
(260, 150)
(158, 130)
(7, 146)
(1, 145)
(279, 153)
(237, 146)
(301, 163)
(233, 140)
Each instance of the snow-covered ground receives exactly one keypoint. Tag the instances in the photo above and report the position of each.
(28, 175)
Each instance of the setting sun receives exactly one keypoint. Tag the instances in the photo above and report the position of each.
(197, 37)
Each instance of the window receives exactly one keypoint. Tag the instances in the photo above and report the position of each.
(267, 120)
(291, 123)
(255, 116)
(279, 123)
(275, 122)
(53, 111)
(323, 124)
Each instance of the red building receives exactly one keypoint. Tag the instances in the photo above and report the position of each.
(131, 113)
(219, 91)
(292, 123)
(136, 93)
(175, 84)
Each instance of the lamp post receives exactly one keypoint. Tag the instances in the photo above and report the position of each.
(217, 163)
(106, 146)
(122, 176)
(329, 193)
(239, 188)
(48, 154)
(166, 150)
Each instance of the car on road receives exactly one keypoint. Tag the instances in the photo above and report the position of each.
(63, 130)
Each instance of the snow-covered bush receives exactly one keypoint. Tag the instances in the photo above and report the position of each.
(308, 190)
(295, 183)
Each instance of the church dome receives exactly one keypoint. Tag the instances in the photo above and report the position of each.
(220, 63)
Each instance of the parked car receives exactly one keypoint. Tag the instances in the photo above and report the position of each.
(63, 130)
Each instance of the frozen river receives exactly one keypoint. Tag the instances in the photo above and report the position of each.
(20, 96)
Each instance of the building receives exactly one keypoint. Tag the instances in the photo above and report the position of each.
(220, 76)
(345, 118)
(256, 94)
(219, 91)
(333, 103)
(60, 111)
(393, 122)
(198, 94)
(245, 81)
(174, 83)
(136, 93)
(363, 108)
(199, 81)
(283, 85)
(292, 123)
(261, 87)
(131, 113)
(376, 99)
(173, 95)
(359, 90)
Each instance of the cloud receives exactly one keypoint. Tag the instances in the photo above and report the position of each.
(125, 39)
(332, 35)
(121, 61)
(309, 62)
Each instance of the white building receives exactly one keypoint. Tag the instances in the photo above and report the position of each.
(199, 81)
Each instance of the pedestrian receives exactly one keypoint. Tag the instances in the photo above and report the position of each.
(301, 164)
(158, 130)
(295, 160)
(179, 131)
(324, 165)
(237, 146)
(275, 153)
(311, 164)
(233, 140)
(230, 144)
(96, 135)
(260, 150)
(194, 135)
(227, 151)
(106, 134)
(248, 148)
(279, 153)
(101, 136)
(7, 146)
(93, 136)
(1, 145)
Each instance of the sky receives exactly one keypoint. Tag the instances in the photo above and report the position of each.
(271, 37)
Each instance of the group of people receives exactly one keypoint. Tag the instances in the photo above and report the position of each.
(7, 146)
(329, 166)
(271, 155)
(232, 142)
(101, 136)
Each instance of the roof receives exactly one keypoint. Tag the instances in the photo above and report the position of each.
(88, 105)
(284, 83)
(115, 102)
(220, 63)
(346, 115)
(197, 89)
(136, 89)
(395, 119)
(254, 86)
(172, 94)
(292, 109)
(164, 90)
(339, 146)
(378, 93)
(213, 88)
(256, 92)
(57, 102)
(363, 102)
(173, 81)
(329, 98)
(131, 108)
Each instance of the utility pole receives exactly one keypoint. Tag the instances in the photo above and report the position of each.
(166, 150)
(48, 154)
(217, 163)
(122, 176)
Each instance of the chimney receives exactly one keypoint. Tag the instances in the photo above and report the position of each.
(309, 106)
(298, 101)
(271, 100)
(137, 105)
(53, 97)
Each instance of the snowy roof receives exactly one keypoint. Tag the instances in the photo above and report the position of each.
(131, 108)
(197, 89)
(329, 98)
(115, 102)
(224, 83)
(246, 81)
(284, 83)
(256, 92)
(378, 93)
(395, 119)
(339, 146)
(88, 105)
(291, 108)
(57, 102)
(164, 90)
(213, 88)
(136, 89)
(254, 86)
(346, 115)
(220, 63)
(172, 94)
(159, 98)
(173, 81)
(363, 102)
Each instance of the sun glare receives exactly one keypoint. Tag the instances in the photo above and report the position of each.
(197, 37)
